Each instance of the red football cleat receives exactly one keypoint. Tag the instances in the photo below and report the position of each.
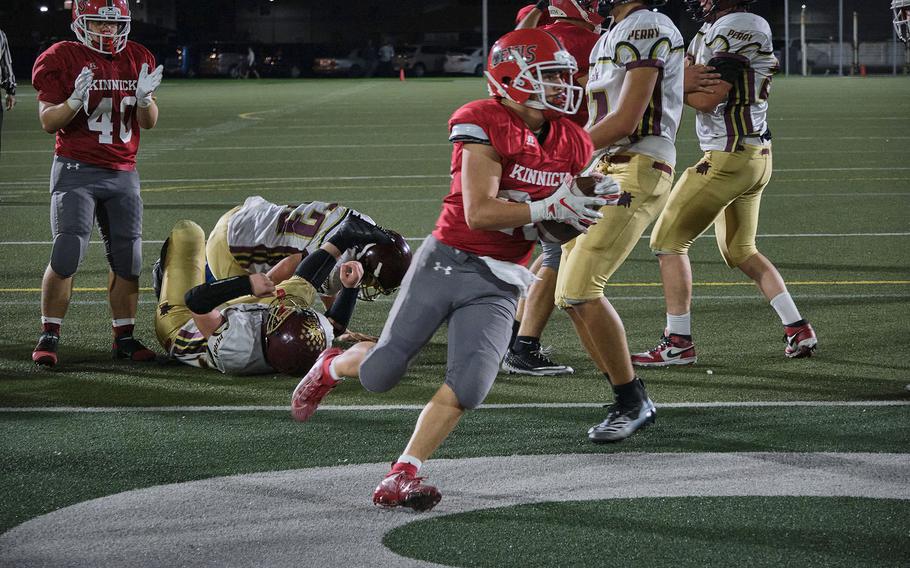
(45, 353)
(800, 339)
(672, 350)
(314, 386)
(400, 489)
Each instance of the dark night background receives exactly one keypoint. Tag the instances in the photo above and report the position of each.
(312, 28)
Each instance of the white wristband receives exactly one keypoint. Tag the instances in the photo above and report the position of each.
(145, 103)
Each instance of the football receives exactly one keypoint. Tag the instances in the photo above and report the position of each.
(557, 232)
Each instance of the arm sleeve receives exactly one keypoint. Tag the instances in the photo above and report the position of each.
(342, 309)
(206, 297)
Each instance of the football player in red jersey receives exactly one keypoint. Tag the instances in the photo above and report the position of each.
(576, 24)
(95, 94)
(512, 165)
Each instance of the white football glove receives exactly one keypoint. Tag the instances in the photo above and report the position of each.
(83, 84)
(608, 188)
(147, 84)
(569, 205)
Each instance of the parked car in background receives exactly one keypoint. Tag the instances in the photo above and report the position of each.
(351, 65)
(418, 60)
(283, 60)
(222, 60)
(465, 61)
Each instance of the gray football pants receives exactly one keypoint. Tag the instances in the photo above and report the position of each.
(82, 193)
(444, 284)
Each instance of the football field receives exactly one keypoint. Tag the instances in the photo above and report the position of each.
(755, 459)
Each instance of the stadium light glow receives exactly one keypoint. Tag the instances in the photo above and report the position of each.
(42, 8)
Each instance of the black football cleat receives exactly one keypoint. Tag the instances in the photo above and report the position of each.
(45, 353)
(128, 347)
(158, 270)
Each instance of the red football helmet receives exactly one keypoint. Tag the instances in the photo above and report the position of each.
(585, 10)
(294, 336)
(384, 266)
(102, 11)
(519, 62)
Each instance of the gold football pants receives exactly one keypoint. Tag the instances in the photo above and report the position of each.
(725, 189)
(217, 252)
(184, 268)
(590, 260)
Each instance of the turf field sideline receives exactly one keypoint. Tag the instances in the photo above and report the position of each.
(834, 220)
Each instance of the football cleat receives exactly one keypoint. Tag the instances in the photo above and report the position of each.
(128, 347)
(314, 386)
(45, 353)
(622, 421)
(158, 269)
(672, 350)
(800, 339)
(400, 489)
(535, 362)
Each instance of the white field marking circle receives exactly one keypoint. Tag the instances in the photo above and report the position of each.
(324, 517)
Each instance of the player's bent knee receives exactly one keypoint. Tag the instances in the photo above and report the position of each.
(738, 255)
(66, 254)
(381, 370)
(125, 258)
(187, 229)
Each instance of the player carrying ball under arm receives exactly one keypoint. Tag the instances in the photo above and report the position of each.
(510, 149)
(635, 90)
(725, 187)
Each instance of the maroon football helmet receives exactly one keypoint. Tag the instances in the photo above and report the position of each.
(294, 336)
(384, 266)
(102, 11)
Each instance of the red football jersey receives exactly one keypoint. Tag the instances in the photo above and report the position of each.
(530, 171)
(579, 43)
(108, 136)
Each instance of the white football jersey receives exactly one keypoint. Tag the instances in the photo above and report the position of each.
(236, 347)
(261, 233)
(642, 39)
(742, 37)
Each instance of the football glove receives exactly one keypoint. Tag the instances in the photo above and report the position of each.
(83, 83)
(569, 205)
(147, 84)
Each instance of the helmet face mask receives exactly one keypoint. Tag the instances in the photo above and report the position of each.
(901, 11)
(88, 13)
(531, 68)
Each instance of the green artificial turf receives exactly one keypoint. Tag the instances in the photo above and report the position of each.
(667, 532)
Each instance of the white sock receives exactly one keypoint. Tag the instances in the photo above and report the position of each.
(680, 325)
(785, 308)
(58, 321)
(123, 322)
(332, 372)
(405, 458)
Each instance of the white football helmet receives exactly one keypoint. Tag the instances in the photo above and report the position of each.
(901, 10)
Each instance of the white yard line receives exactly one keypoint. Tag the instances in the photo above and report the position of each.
(384, 407)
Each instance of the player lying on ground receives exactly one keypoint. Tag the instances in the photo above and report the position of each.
(261, 236)
(255, 334)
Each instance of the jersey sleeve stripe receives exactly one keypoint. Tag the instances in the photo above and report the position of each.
(469, 133)
(645, 63)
